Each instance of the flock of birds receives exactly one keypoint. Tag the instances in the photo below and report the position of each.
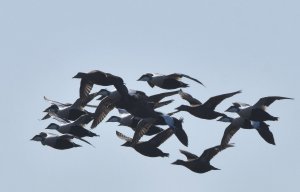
(139, 112)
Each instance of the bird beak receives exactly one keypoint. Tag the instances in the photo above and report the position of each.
(46, 117)
(46, 110)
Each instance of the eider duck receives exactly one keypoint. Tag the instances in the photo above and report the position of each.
(57, 142)
(69, 112)
(166, 81)
(235, 124)
(75, 128)
(256, 112)
(201, 164)
(98, 78)
(205, 110)
(149, 148)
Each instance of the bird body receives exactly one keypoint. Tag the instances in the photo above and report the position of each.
(236, 123)
(166, 81)
(257, 112)
(70, 112)
(75, 128)
(149, 148)
(201, 164)
(57, 142)
(132, 122)
(98, 78)
(205, 110)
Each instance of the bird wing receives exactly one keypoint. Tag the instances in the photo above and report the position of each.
(59, 104)
(163, 103)
(179, 131)
(85, 87)
(189, 98)
(157, 97)
(228, 133)
(83, 101)
(84, 141)
(265, 133)
(161, 137)
(123, 137)
(189, 156)
(209, 153)
(83, 119)
(216, 100)
(142, 127)
(180, 75)
(105, 106)
(266, 101)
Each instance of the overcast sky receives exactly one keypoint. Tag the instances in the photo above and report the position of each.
(230, 45)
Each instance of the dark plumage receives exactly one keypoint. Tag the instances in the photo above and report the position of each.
(235, 124)
(257, 112)
(69, 112)
(75, 128)
(57, 142)
(149, 148)
(200, 164)
(98, 78)
(206, 110)
(137, 103)
(166, 81)
(174, 123)
(132, 122)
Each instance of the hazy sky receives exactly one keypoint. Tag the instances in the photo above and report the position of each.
(230, 45)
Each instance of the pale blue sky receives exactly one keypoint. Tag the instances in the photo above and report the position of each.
(228, 45)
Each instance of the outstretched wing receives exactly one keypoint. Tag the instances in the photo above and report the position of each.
(228, 133)
(59, 104)
(265, 133)
(216, 100)
(84, 119)
(142, 127)
(157, 97)
(189, 98)
(180, 75)
(179, 131)
(161, 137)
(123, 137)
(189, 156)
(163, 103)
(266, 101)
(85, 87)
(209, 153)
(105, 106)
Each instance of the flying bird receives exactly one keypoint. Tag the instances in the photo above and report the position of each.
(75, 128)
(129, 120)
(57, 142)
(205, 110)
(171, 81)
(68, 112)
(256, 112)
(98, 78)
(149, 148)
(235, 124)
(201, 164)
